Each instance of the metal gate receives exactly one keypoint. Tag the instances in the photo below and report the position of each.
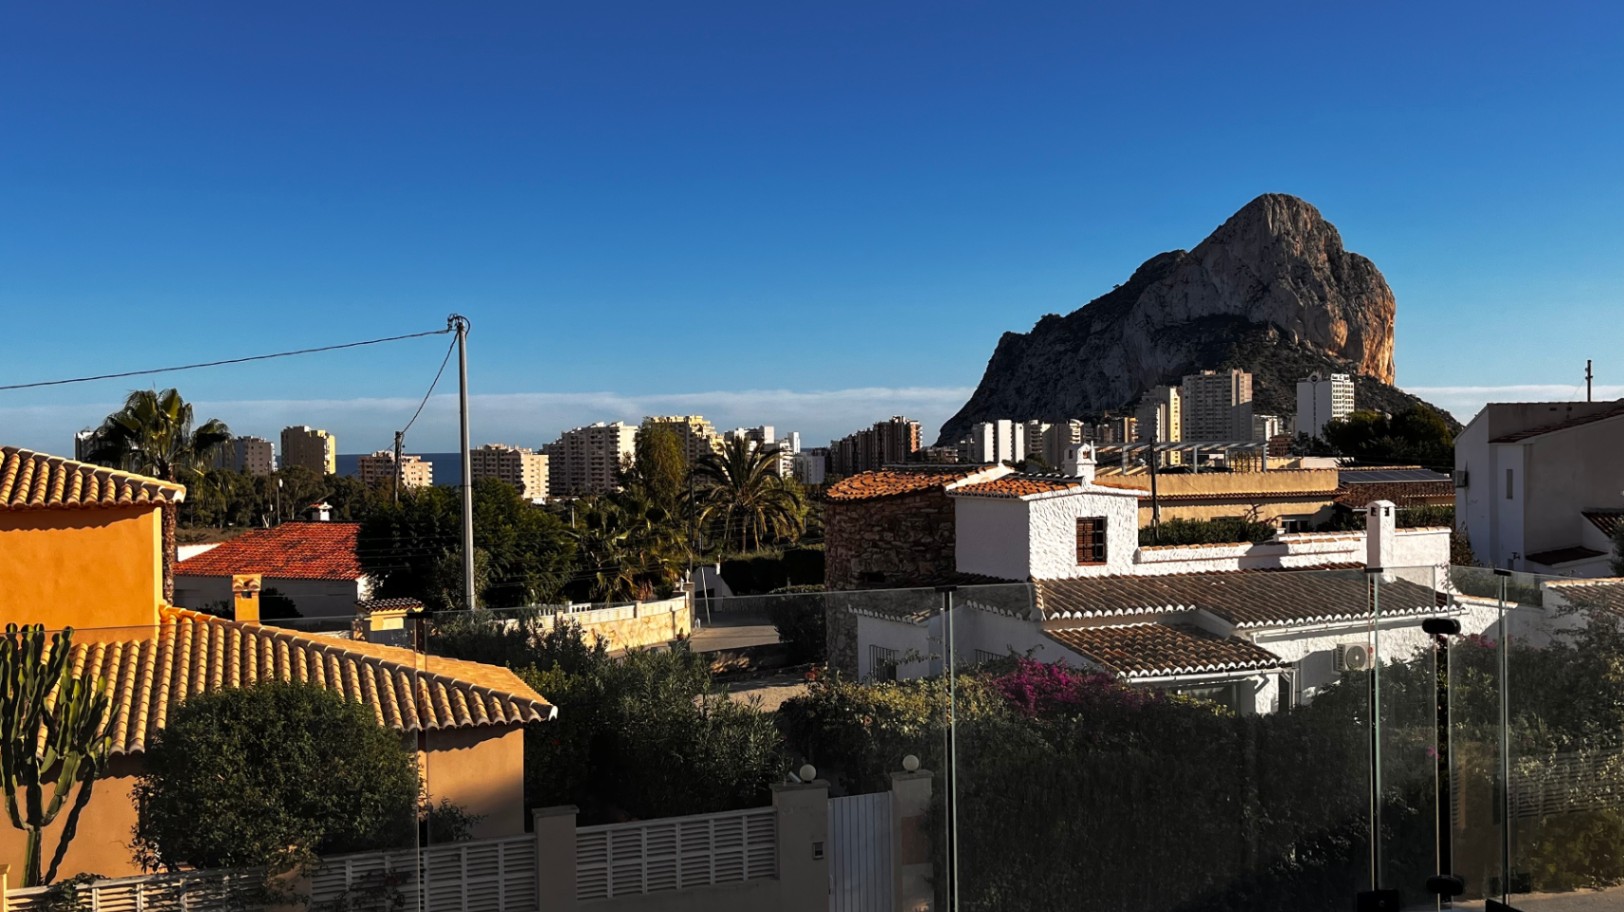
(861, 872)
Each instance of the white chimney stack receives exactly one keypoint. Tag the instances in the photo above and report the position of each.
(1079, 462)
(1381, 534)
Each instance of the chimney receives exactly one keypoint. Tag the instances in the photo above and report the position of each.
(319, 512)
(384, 621)
(245, 588)
(1381, 535)
(1079, 462)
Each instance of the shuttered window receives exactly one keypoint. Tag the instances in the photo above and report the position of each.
(1091, 540)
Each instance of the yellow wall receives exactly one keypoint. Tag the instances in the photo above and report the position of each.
(1222, 483)
(86, 568)
(480, 770)
(1317, 509)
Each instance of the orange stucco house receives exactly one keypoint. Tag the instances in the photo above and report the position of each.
(82, 546)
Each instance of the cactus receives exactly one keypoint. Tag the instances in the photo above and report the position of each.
(54, 737)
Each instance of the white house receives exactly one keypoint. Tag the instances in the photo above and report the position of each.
(1255, 626)
(1539, 486)
(314, 564)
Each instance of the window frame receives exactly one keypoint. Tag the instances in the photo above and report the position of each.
(1098, 539)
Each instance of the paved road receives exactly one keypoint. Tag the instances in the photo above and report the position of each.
(1577, 901)
(733, 634)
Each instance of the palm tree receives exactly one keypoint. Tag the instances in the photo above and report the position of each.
(153, 435)
(627, 547)
(740, 489)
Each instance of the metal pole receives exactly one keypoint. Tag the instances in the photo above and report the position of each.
(460, 324)
(1588, 377)
(1155, 502)
(400, 441)
(952, 748)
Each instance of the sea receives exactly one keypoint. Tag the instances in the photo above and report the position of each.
(447, 466)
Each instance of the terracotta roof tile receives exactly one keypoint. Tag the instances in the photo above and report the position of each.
(1606, 520)
(1019, 485)
(1401, 493)
(39, 481)
(894, 480)
(1155, 650)
(191, 653)
(293, 550)
(1602, 415)
(1246, 599)
(1564, 555)
(1604, 593)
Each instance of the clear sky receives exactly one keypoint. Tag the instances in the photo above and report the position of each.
(807, 214)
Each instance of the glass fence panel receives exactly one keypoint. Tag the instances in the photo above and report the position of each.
(1473, 821)
(1152, 752)
(1564, 767)
(1405, 685)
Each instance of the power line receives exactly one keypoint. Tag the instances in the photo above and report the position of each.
(228, 361)
(443, 362)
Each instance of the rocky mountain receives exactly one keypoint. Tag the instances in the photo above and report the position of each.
(1272, 290)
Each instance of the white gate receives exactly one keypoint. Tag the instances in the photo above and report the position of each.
(861, 872)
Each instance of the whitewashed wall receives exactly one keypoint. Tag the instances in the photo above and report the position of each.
(1053, 525)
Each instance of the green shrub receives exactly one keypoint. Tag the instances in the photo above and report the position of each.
(799, 620)
(1206, 532)
(272, 775)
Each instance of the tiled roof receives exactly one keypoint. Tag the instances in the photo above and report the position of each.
(192, 653)
(1602, 415)
(1564, 555)
(1019, 485)
(1607, 594)
(38, 481)
(1246, 599)
(293, 550)
(1605, 520)
(367, 606)
(1401, 493)
(893, 480)
(1154, 650)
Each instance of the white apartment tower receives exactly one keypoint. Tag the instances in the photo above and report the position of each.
(524, 469)
(587, 460)
(1217, 405)
(997, 441)
(379, 468)
(1161, 415)
(1320, 398)
(697, 435)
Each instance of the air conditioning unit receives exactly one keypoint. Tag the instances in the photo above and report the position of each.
(1352, 657)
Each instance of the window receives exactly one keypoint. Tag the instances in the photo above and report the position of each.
(1091, 540)
(882, 663)
(1296, 523)
(1508, 485)
(1225, 695)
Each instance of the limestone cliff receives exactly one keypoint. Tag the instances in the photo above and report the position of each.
(1276, 271)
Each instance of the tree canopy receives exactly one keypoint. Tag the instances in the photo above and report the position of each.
(273, 775)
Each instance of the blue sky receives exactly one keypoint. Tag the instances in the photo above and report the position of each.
(811, 215)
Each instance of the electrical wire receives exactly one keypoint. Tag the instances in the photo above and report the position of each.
(228, 361)
(437, 374)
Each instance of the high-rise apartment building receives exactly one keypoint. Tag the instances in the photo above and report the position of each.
(997, 442)
(524, 469)
(1217, 405)
(1060, 436)
(1117, 430)
(1267, 427)
(312, 448)
(379, 468)
(886, 443)
(252, 455)
(698, 437)
(1321, 398)
(811, 466)
(83, 442)
(587, 460)
(1161, 415)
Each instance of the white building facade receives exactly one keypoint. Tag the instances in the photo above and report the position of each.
(1321, 398)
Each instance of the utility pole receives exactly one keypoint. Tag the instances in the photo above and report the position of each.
(1588, 377)
(460, 323)
(400, 441)
(1155, 502)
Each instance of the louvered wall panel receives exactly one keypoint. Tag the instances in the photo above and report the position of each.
(681, 853)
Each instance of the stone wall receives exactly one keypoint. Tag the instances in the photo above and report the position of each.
(888, 541)
(634, 626)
